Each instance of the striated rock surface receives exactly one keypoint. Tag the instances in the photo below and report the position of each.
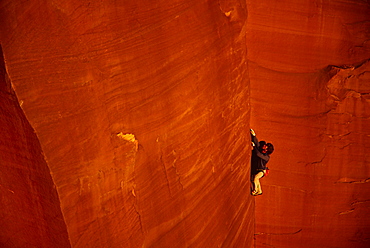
(124, 123)
(30, 214)
(309, 71)
(139, 112)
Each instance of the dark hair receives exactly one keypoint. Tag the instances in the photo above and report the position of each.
(270, 148)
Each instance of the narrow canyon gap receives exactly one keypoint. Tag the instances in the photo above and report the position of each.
(138, 110)
(309, 72)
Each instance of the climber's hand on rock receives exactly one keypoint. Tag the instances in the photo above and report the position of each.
(253, 133)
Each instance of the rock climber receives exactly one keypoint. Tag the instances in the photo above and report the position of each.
(260, 156)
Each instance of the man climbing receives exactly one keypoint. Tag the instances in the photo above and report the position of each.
(260, 156)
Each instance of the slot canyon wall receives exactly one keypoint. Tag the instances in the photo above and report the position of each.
(125, 124)
(139, 111)
(310, 82)
(29, 202)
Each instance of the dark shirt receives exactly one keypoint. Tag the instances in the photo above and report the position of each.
(259, 159)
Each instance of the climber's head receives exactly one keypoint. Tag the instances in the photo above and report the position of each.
(269, 148)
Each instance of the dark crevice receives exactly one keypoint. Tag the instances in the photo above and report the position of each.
(289, 233)
(5, 85)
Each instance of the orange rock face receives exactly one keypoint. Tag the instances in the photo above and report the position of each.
(309, 73)
(141, 112)
(125, 123)
(30, 209)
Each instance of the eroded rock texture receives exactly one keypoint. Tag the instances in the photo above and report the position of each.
(141, 110)
(30, 214)
(310, 73)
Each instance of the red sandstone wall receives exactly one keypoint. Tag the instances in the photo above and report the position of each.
(141, 109)
(309, 73)
(30, 214)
